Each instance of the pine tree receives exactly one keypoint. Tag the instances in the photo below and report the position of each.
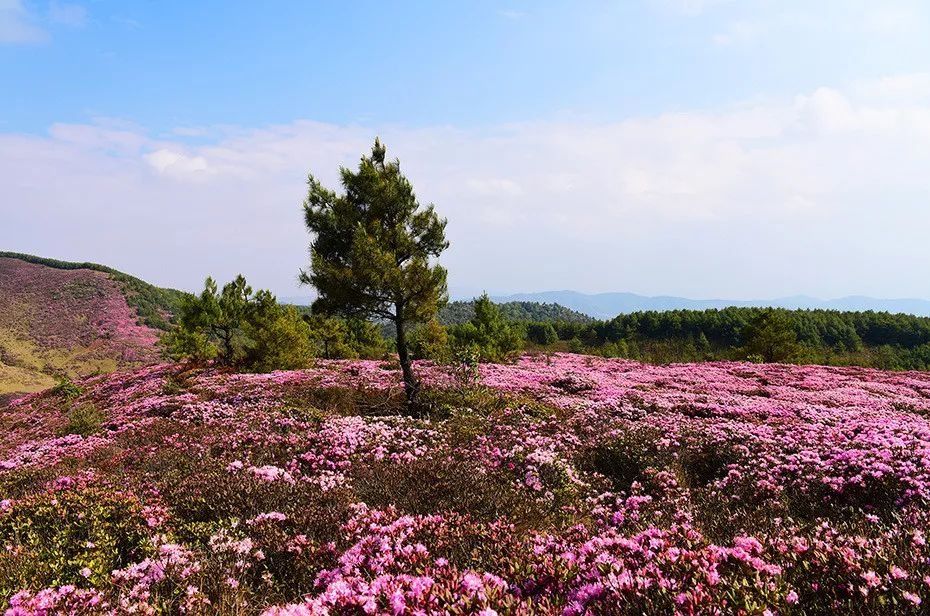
(373, 251)
(771, 336)
(239, 329)
(488, 331)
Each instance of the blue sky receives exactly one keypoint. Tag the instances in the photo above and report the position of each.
(170, 64)
(698, 147)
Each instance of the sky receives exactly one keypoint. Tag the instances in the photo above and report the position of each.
(742, 149)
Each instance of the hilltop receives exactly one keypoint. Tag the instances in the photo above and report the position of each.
(61, 318)
(458, 312)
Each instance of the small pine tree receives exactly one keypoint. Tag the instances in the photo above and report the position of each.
(489, 331)
(239, 328)
(702, 344)
(330, 337)
(365, 339)
(210, 325)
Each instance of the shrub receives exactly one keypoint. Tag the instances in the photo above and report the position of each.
(541, 333)
(84, 420)
(624, 459)
(430, 341)
(67, 389)
(280, 339)
(69, 537)
(173, 386)
(465, 358)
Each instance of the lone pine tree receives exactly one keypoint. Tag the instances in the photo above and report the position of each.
(373, 251)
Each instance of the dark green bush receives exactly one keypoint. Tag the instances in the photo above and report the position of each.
(541, 333)
(66, 389)
(84, 419)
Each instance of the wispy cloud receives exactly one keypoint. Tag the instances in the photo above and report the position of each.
(17, 26)
(690, 7)
(21, 26)
(751, 21)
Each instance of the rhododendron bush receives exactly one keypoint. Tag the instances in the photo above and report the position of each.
(558, 484)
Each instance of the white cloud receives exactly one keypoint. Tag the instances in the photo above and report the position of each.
(177, 164)
(16, 25)
(913, 88)
(754, 22)
(811, 193)
(19, 26)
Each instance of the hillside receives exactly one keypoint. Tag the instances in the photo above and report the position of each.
(562, 484)
(609, 305)
(61, 318)
(458, 312)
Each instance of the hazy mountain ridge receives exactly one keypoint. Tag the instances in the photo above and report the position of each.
(608, 305)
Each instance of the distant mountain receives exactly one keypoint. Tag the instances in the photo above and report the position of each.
(609, 305)
(62, 318)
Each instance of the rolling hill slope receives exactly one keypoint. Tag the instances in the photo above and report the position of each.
(60, 318)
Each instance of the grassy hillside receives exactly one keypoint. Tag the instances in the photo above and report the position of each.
(154, 305)
(71, 319)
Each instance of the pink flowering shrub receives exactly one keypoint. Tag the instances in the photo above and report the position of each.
(556, 485)
(62, 600)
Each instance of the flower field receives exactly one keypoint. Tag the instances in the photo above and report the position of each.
(558, 484)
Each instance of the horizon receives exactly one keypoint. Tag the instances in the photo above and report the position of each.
(687, 148)
(469, 294)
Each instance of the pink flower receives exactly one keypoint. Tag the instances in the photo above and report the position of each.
(871, 578)
(471, 583)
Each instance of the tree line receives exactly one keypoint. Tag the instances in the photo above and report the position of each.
(830, 337)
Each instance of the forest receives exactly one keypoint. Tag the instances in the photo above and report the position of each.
(870, 339)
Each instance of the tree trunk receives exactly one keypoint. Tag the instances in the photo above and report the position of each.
(411, 385)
